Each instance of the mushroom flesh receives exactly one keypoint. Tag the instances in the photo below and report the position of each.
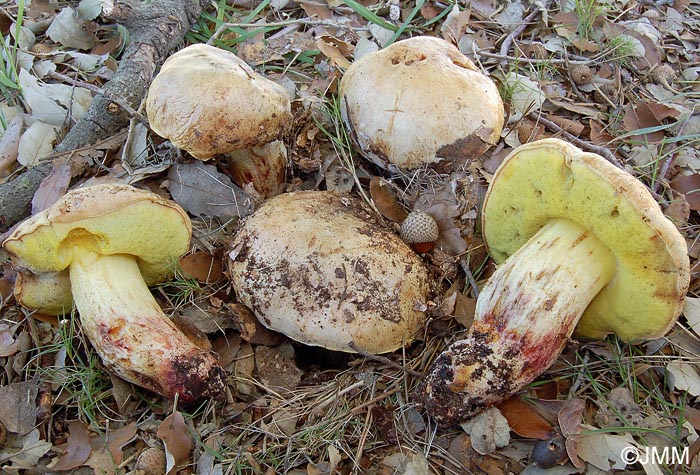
(584, 250)
(113, 241)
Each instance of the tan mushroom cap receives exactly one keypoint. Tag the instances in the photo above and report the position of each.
(420, 102)
(107, 219)
(208, 101)
(553, 179)
(312, 265)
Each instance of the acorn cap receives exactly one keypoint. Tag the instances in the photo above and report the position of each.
(419, 227)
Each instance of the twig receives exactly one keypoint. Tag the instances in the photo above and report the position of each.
(98, 90)
(383, 359)
(470, 277)
(525, 59)
(277, 24)
(505, 46)
(663, 170)
(587, 146)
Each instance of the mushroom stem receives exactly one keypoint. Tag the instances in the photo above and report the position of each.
(524, 316)
(132, 334)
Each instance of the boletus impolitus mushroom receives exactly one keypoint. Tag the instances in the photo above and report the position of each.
(420, 102)
(209, 102)
(113, 241)
(583, 248)
(315, 266)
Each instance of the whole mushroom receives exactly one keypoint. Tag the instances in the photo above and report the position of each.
(420, 102)
(584, 248)
(105, 244)
(209, 102)
(314, 266)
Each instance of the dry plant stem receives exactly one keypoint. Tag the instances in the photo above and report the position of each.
(508, 42)
(98, 90)
(524, 317)
(155, 28)
(385, 360)
(278, 24)
(587, 146)
(131, 333)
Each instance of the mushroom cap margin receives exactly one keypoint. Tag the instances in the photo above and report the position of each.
(110, 218)
(551, 178)
(397, 101)
(208, 101)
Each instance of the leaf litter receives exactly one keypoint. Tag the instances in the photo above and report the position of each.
(291, 409)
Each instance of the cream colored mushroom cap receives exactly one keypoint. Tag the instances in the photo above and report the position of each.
(313, 266)
(208, 101)
(553, 179)
(108, 219)
(420, 102)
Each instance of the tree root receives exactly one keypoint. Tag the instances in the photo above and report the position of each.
(156, 28)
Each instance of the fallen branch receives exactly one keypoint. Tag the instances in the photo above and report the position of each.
(155, 29)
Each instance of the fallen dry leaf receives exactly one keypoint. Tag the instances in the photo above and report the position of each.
(78, 448)
(118, 438)
(176, 439)
(52, 187)
(18, 406)
(489, 431)
(524, 419)
(202, 190)
(570, 418)
(202, 267)
(385, 200)
(8, 344)
(689, 186)
(683, 377)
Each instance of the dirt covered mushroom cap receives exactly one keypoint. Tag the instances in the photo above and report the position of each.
(314, 266)
(207, 101)
(111, 241)
(420, 102)
(583, 248)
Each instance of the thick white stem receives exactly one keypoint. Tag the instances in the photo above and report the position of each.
(524, 317)
(131, 333)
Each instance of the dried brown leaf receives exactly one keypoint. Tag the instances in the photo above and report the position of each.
(570, 418)
(251, 329)
(202, 267)
(52, 187)
(202, 190)
(385, 200)
(383, 420)
(338, 51)
(176, 439)
(18, 406)
(8, 344)
(524, 419)
(78, 448)
(9, 143)
(689, 186)
(118, 438)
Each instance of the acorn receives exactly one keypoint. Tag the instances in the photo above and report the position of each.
(581, 74)
(664, 74)
(536, 51)
(151, 462)
(420, 231)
